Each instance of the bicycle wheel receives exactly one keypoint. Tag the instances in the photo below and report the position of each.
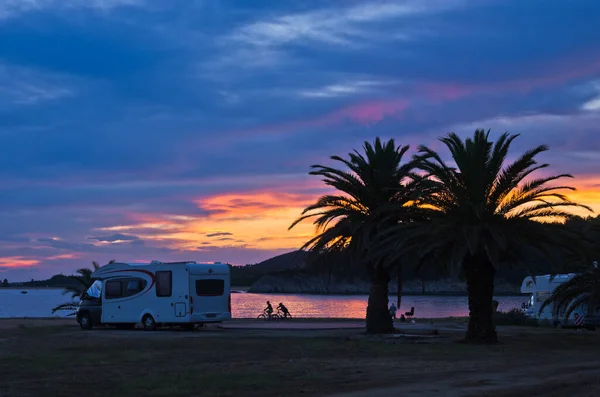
(261, 317)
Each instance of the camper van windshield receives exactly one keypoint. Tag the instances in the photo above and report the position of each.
(95, 290)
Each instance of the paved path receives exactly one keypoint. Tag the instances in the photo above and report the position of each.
(293, 325)
(299, 324)
(308, 325)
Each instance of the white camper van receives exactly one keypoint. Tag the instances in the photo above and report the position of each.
(159, 293)
(540, 289)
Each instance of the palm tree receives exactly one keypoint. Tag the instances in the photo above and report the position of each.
(84, 278)
(483, 213)
(349, 220)
(583, 289)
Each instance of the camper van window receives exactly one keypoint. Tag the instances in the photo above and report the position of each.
(113, 289)
(164, 283)
(541, 296)
(135, 286)
(210, 287)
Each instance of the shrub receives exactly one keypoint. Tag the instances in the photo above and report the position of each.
(514, 317)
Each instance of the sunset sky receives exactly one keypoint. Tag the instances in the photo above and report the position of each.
(184, 129)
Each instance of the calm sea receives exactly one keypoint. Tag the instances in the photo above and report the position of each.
(39, 303)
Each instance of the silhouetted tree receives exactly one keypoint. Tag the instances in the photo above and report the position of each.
(482, 213)
(84, 278)
(583, 289)
(349, 221)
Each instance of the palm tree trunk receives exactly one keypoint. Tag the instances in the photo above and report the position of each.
(399, 284)
(379, 320)
(480, 289)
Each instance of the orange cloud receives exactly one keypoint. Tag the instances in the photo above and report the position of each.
(260, 220)
(63, 256)
(253, 205)
(588, 193)
(150, 223)
(17, 261)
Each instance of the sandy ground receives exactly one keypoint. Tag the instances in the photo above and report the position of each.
(239, 327)
(249, 323)
(548, 380)
(11, 323)
(418, 361)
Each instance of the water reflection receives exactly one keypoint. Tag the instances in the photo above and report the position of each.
(247, 305)
(39, 303)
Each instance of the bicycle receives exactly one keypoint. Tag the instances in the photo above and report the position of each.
(265, 316)
(282, 315)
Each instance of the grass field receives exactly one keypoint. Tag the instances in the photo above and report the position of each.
(55, 358)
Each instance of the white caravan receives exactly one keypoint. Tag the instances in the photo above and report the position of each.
(540, 289)
(164, 293)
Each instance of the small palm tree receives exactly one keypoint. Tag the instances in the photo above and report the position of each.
(582, 290)
(483, 213)
(84, 278)
(350, 220)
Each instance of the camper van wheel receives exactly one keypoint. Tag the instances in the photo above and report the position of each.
(85, 322)
(149, 323)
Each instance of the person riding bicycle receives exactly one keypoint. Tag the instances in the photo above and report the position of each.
(284, 309)
(269, 309)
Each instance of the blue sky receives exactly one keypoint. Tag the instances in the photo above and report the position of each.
(151, 129)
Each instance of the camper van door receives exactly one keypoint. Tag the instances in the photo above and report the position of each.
(111, 301)
(210, 291)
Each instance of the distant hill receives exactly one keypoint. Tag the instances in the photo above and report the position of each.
(249, 274)
(240, 275)
(340, 274)
(290, 260)
(56, 281)
(293, 266)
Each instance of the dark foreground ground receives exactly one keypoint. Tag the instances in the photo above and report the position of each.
(55, 358)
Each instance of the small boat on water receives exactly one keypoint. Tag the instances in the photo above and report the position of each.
(23, 292)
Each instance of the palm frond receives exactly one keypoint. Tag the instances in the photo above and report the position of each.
(583, 288)
(374, 184)
(84, 278)
(65, 306)
(482, 207)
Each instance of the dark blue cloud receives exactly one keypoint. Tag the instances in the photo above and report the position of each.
(115, 237)
(219, 234)
(145, 107)
(13, 238)
(66, 245)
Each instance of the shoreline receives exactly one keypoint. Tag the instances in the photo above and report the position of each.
(11, 287)
(63, 320)
(441, 293)
(242, 291)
